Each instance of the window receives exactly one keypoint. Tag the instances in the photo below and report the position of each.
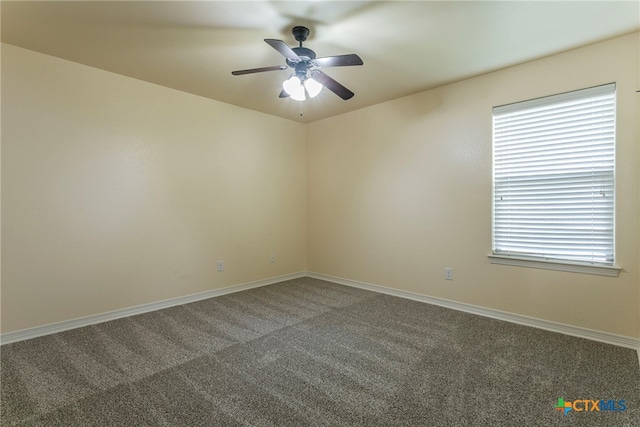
(553, 180)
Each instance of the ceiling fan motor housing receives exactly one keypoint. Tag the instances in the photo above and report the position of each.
(304, 53)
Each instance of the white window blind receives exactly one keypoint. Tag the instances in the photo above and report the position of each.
(554, 177)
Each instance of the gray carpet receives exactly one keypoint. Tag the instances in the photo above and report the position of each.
(312, 353)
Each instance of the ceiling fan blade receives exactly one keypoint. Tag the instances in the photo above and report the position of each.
(333, 85)
(284, 49)
(283, 94)
(339, 60)
(259, 70)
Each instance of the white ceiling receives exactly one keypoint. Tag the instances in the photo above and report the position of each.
(407, 47)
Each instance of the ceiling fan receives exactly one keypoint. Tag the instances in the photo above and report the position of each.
(306, 76)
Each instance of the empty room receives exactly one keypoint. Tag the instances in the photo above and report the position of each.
(320, 213)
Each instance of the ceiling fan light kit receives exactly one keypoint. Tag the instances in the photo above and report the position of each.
(294, 88)
(313, 87)
(306, 79)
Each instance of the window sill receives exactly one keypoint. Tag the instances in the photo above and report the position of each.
(600, 270)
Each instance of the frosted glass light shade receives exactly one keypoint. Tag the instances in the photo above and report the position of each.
(313, 87)
(294, 88)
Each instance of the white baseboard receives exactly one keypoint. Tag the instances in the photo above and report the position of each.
(605, 337)
(590, 334)
(66, 325)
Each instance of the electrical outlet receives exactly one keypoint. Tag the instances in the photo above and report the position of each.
(272, 257)
(220, 265)
(448, 273)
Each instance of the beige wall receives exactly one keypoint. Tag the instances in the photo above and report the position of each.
(401, 190)
(117, 192)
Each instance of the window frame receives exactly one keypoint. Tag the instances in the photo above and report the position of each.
(540, 261)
